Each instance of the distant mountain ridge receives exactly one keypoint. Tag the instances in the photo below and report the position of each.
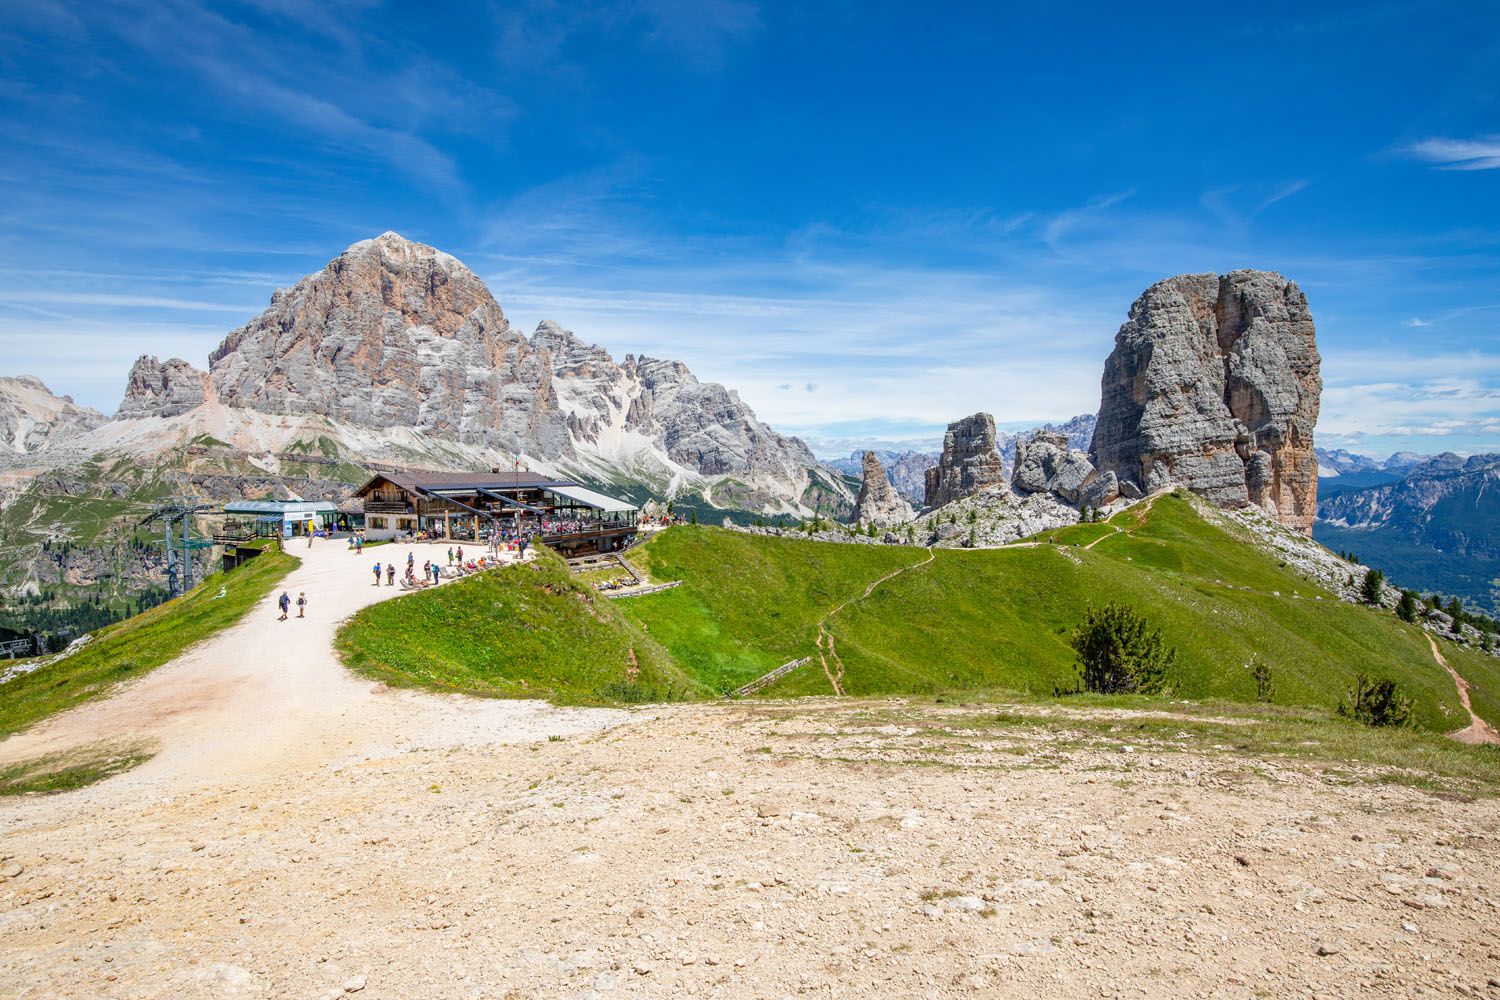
(397, 352)
(31, 416)
(1436, 528)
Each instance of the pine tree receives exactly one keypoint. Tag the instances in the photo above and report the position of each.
(1406, 609)
(1119, 653)
(1373, 587)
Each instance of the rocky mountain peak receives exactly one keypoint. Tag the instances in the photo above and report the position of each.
(571, 357)
(396, 350)
(1214, 384)
(393, 333)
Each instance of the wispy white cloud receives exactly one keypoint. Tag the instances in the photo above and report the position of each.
(1069, 220)
(1482, 153)
(123, 301)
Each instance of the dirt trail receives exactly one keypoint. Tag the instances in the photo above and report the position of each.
(1101, 538)
(1477, 731)
(267, 695)
(825, 638)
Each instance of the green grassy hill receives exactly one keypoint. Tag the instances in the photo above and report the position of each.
(946, 621)
(527, 632)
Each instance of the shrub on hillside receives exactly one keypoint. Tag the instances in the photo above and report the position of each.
(1265, 688)
(1119, 653)
(1379, 702)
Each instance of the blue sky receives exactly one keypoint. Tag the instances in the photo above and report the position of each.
(869, 218)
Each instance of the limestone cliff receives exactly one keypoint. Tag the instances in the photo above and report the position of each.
(395, 334)
(1214, 384)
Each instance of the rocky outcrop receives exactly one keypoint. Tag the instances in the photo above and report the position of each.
(1078, 430)
(877, 503)
(162, 389)
(1214, 384)
(906, 470)
(1046, 464)
(31, 416)
(969, 462)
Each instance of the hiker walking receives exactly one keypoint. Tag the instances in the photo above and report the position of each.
(390, 574)
(437, 573)
(450, 555)
(301, 604)
(284, 602)
(460, 555)
(377, 572)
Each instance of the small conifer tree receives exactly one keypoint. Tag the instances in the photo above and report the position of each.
(1119, 653)
(1373, 586)
(1378, 702)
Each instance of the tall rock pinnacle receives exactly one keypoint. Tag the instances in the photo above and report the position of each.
(970, 461)
(877, 503)
(1214, 384)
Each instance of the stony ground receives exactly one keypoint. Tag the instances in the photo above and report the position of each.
(813, 850)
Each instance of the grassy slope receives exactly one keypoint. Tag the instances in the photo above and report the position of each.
(134, 646)
(749, 604)
(527, 632)
(999, 619)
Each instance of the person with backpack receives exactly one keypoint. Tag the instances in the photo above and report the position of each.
(377, 572)
(301, 604)
(390, 574)
(284, 602)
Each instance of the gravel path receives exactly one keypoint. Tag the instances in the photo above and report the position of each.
(269, 696)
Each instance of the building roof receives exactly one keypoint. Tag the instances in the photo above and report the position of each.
(439, 480)
(591, 499)
(446, 484)
(279, 507)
